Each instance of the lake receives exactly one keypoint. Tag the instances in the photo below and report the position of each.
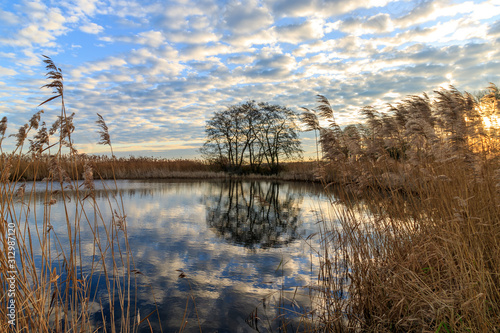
(237, 244)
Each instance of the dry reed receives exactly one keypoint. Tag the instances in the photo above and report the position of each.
(414, 247)
(48, 285)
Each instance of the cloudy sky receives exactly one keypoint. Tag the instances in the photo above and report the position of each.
(156, 70)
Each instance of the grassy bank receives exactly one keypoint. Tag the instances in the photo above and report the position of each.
(105, 167)
(424, 261)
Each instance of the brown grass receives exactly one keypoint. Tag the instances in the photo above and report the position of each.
(420, 262)
(413, 243)
(146, 168)
(44, 277)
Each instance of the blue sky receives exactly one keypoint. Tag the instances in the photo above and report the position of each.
(157, 70)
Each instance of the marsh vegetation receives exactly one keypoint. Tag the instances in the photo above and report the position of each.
(409, 241)
(48, 278)
(428, 258)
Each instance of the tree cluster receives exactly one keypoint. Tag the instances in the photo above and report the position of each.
(252, 136)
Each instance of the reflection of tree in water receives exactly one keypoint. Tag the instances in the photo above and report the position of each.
(254, 214)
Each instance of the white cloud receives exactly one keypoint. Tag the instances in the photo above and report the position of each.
(7, 71)
(33, 34)
(484, 10)
(35, 9)
(199, 22)
(87, 7)
(91, 28)
(262, 37)
(40, 26)
(458, 30)
(292, 33)
(192, 37)
(380, 23)
(183, 57)
(10, 55)
(425, 12)
(243, 17)
(320, 8)
(200, 52)
(98, 66)
(134, 9)
(354, 47)
(9, 18)
(433, 9)
(241, 59)
(314, 47)
(298, 33)
(54, 21)
(150, 38)
(271, 67)
(31, 58)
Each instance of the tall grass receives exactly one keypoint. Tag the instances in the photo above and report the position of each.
(48, 281)
(414, 247)
(105, 167)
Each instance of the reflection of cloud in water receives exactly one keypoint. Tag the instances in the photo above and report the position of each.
(174, 225)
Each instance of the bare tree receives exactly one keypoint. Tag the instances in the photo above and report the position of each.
(252, 134)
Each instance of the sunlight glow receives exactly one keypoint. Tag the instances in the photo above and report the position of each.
(492, 121)
(489, 116)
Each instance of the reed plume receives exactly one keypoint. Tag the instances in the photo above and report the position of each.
(105, 138)
(425, 257)
(55, 284)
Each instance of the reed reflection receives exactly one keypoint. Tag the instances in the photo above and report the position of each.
(254, 214)
(205, 229)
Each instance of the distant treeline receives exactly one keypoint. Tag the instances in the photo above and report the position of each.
(60, 168)
(66, 167)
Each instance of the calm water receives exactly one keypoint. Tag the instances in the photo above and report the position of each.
(238, 243)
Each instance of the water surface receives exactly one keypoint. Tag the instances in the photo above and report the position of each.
(237, 243)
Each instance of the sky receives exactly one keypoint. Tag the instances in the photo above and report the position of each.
(157, 70)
